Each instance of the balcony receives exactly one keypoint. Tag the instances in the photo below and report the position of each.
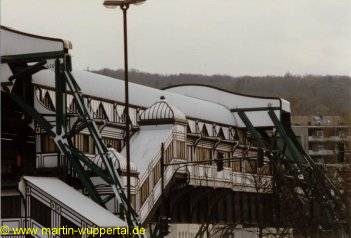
(328, 138)
(321, 152)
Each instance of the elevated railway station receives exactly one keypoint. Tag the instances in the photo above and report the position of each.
(199, 154)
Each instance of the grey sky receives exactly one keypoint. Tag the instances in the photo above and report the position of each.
(236, 37)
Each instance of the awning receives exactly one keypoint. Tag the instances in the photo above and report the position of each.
(16, 44)
(70, 199)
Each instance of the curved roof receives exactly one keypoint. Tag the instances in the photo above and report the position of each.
(235, 102)
(224, 97)
(14, 42)
(113, 89)
(162, 111)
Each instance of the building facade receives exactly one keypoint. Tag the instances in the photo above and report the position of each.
(199, 154)
(326, 138)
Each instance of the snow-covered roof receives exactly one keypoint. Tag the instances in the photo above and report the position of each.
(145, 145)
(234, 101)
(113, 89)
(160, 112)
(73, 199)
(15, 42)
(225, 98)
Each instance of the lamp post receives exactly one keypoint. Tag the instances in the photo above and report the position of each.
(124, 5)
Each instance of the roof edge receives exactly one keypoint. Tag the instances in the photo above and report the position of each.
(66, 43)
(220, 89)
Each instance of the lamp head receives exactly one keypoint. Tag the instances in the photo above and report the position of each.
(119, 3)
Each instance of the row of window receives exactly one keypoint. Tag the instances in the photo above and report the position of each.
(177, 150)
(320, 132)
(46, 100)
(205, 132)
(238, 165)
(144, 191)
(42, 214)
(82, 142)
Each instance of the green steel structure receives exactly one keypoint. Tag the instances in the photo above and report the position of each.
(62, 135)
(299, 176)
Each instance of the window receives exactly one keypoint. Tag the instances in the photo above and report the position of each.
(168, 156)
(341, 133)
(47, 144)
(340, 151)
(266, 169)
(84, 143)
(157, 172)
(47, 102)
(144, 191)
(73, 108)
(204, 131)
(189, 152)
(220, 134)
(319, 133)
(123, 117)
(116, 117)
(188, 130)
(202, 154)
(226, 155)
(236, 165)
(10, 206)
(101, 114)
(251, 166)
(133, 200)
(114, 143)
(69, 224)
(40, 212)
(180, 149)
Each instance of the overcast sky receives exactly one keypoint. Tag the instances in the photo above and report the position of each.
(235, 37)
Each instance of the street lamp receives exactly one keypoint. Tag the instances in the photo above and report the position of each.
(124, 5)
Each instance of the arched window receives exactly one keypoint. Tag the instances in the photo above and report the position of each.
(48, 102)
(116, 117)
(188, 130)
(220, 134)
(73, 108)
(204, 131)
(101, 114)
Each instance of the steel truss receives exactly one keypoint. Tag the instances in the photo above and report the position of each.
(63, 136)
(299, 174)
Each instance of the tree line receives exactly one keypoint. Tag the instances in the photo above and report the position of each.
(308, 94)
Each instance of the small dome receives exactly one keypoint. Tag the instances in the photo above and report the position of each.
(118, 162)
(162, 112)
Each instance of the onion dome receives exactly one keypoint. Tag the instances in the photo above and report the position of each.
(119, 162)
(162, 112)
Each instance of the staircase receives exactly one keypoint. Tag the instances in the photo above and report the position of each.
(150, 180)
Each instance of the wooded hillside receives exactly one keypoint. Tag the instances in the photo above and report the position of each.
(308, 94)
